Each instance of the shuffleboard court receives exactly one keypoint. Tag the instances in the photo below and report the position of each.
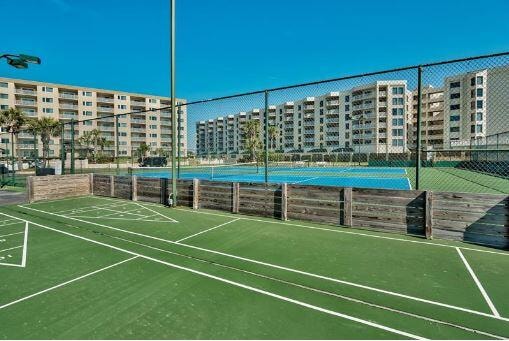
(97, 267)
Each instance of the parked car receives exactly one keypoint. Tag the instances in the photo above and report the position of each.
(152, 161)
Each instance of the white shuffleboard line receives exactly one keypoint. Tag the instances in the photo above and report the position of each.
(207, 230)
(11, 234)
(478, 283)
(158, 213)
(65, 283)
(12, 248)
(285, 268)
(240, 285)
(25, 246)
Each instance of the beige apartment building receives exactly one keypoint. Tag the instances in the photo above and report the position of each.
(67, 102)
(369, 118)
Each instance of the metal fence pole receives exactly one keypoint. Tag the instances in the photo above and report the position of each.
(62, 149)
(13, 160)
(36, 156)
(266, 136)
(173, 114)
(419, 132)
(117, 144)
(72, 146)
(179, 114)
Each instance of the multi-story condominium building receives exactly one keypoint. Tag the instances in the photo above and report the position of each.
(432, 118)
(476, 106)
(369, 118)
(66, 103)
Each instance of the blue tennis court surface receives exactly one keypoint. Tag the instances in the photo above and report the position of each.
(363, 177)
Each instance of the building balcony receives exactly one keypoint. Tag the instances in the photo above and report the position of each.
(27, 103)
(105, 109)
(64, 95)
(105, 99)
(25, 92)
(68, 106)
(138, 103)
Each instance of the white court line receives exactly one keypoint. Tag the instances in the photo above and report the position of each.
(10, 234)
(9, 224)
(409, 183)
(12, 248)
(478, 283)
(392, 293)
(298, 182)
(158, 213)
(207, 230)
(114, 218)
(65, 283)
(240, 285)
(25, 246)
(323, 292)
(341, 231)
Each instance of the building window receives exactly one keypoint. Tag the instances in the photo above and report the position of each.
(122, 106)
(87, 123)
(121, 97)
(455, 118)
(86, 93)
(299, 107)
(153, 135)
(153, 118)
(152, 100)
(397, 111)
(4, 107)
(454, 129)
(87, 113)
(87, 104)
(347, 99)
(347, 107)
(4, 96)
(478, 116)
(479, 92)
(455, 85)
(397, 132)
(153, 126)
(397, 101)
(397, 121)
(479, 104)
(397, 142)
(455, 95)
(47, 110)
(455, 106)
(47, 100)
(397, 91)
(479, 80)
(472, 81)
(3, 85)
(47, 89)
(321, 103)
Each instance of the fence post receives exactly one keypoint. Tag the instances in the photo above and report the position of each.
(91, 183)
(284, 201)
(419, 132)
(347, 206)
(134, 188)
(72, 146)
(266, 136)
(62, 149)
(117, 144)
(235, 197)
(112, 186)
(196, 194)
(428, 203)
(163, 184)
(30, 189)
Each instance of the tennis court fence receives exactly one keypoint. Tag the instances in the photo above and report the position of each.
(476, 218)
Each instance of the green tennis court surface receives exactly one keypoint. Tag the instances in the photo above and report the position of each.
(102, 268)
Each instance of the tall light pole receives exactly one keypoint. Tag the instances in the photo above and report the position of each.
(174, 115)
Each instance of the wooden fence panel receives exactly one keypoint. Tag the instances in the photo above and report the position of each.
(216, 195)
(184, 192)
(316, 203)
(122, 187)
(149, 189)
(389, 210)
(260, 199)
(476, 218)
(53, 187)
(102, 185)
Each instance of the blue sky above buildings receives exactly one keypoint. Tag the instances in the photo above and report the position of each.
(227, 47)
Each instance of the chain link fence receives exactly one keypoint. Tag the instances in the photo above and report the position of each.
(356, 131)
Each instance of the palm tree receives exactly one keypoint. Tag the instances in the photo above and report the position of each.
(102, 142)
(142, 150)
(272, 136)
(252, 131)
(13, 119)
(47, 128)
(85, 140)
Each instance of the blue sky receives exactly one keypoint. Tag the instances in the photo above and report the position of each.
(227, 46)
